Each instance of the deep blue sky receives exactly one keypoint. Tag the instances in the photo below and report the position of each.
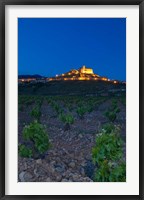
(50, 46)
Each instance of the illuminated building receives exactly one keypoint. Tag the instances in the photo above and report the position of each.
(83, 74)
(84, 70)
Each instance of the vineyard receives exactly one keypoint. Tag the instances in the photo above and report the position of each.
(72, 138)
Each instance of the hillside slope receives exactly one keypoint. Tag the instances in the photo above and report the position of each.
(72, 88)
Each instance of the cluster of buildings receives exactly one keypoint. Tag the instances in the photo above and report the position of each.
(83, 74)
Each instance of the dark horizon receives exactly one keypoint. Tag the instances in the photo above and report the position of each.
(50, 46)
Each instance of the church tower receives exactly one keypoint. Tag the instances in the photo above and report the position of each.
(85, 70)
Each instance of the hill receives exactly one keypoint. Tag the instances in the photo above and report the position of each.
(37, 76)
(94, 88)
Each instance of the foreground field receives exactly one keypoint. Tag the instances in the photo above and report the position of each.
(73, 124)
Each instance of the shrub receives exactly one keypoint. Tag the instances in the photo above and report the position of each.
(56, 107)
(69, 106)
(107, 173)
(39, 102)
(62, 117)
(108, 128)
(118, 174)
(81, 111)
(24, 151)
(36, 134)
(114, 106)
(111, 115)
(69, 119)
(117, 110)
(66, 118)
(90, 108)
(114, 102)
(36, 113)
(108, 146)
(107, 155)
(112, 111)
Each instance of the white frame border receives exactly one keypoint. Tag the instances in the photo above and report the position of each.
(131, 187)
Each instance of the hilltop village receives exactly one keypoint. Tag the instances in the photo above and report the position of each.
(82, 74)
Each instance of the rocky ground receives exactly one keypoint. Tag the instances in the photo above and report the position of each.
(69, 158)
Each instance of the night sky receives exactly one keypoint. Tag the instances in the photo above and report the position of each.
(50, 46)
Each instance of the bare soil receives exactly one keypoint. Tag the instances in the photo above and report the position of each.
(70, 157)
